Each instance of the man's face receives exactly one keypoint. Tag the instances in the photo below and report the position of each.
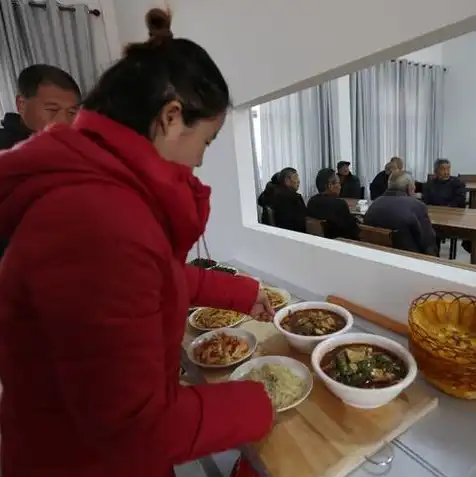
(344, 171)
(293, 182)
(334, 186)
(50, 105)
(444, 172)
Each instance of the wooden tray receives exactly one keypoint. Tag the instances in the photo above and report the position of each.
(323, 437)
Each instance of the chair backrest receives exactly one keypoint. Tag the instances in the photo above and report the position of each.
(467, 178)
(315, 227)
(430, 177)
(375, 235)
(270, 219)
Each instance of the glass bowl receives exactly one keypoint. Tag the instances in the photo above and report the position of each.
(442, 339)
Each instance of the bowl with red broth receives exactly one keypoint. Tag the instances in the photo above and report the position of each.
(364, 370)
(306, 324)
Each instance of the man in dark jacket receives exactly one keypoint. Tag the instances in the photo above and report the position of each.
(349, 184)
(328, 206)
(444, 189)
(398, 209)
(266, 198)
(288, 205)
(379, 185)
(46, 94)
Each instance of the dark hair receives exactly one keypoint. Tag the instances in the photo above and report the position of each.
(284, 174)
(32, 77)
(324, 178)
(439, 163)
(151, 74)
(274, 179)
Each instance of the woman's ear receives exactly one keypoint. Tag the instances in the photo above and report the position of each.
(171, 117)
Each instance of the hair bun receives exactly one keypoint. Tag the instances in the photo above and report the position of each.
(158, 23)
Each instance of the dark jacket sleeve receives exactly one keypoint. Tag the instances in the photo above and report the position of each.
(344, 222)
(429, 195)
(291, 212)
(459, 194)
(423, 232)
(378, 186)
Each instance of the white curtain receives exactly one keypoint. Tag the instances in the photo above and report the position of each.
(29, 34)
(300, 130)
(397, 110)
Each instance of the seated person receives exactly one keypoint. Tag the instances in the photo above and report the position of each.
(265, 199)
(46, 95)
(349, 184)
(328, 206)
(398, 209)
(380, 183)
(287, 204)
(444, 189)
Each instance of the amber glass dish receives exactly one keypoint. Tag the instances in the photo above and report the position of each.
(443, 341)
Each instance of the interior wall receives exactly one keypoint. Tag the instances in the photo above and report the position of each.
(269, 47)
(459, 141)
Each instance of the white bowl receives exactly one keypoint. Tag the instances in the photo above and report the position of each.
(239, 333)
(193, 324)
(364, 398)
(305, 344)
(284, 294)
(296, 367)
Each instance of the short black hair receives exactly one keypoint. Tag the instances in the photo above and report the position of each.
(286, 173)
(439, 163)
(275, 178)
(341, 164)
(152, 74)
(32, 77)
(324, 178)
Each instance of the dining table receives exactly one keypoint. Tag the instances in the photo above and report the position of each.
(471, 189)
(449, 221)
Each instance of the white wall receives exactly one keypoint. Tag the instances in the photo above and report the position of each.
(269, 45)
(429, 56)
(459, 142)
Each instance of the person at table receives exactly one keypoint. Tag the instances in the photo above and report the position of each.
(266, 198)
(329, 206)
(288, 205)
(349, 184)
(91, 336)
(380, 183)
(398, 209)
(46, 95)
(444, 189)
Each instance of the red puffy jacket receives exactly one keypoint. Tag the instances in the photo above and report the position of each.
(94, 293)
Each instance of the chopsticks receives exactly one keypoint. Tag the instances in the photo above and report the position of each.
(370, 315)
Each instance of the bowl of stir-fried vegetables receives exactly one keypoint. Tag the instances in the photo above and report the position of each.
(364, 370)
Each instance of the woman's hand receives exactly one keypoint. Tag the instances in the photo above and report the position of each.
(262, 310)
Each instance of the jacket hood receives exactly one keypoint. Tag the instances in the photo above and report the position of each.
(97, 149)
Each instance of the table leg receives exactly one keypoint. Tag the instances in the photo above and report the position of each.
(472, 199)
(473, 250)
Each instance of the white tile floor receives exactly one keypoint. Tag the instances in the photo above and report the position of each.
(461, 254)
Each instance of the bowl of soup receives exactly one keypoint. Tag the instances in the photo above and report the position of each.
(307, 323)
(364, 370)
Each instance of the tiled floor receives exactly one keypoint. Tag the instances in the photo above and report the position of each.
(461, 254)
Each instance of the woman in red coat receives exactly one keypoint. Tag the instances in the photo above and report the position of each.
(94, 289)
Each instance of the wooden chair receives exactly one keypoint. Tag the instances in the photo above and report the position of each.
(376, 235)
(269, 214)
(315, 227)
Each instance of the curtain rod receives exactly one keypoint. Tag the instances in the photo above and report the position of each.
(417, 63)
(66, 8)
